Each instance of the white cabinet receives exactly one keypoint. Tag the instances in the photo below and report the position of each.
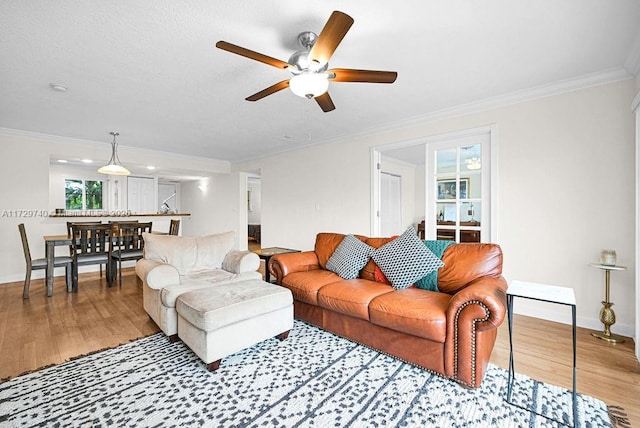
(141, 195)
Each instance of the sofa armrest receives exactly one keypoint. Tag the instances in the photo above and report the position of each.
(156, 274)
(144, 266)
(241, 262)
(473, 317)
(282, 265)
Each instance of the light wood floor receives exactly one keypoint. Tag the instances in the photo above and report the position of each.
(41, 331)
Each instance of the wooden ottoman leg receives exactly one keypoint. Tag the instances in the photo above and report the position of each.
(214, 365)
(283, 336)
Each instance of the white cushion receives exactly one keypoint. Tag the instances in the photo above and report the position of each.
(225, 304)
(178, 251)
(211, 249)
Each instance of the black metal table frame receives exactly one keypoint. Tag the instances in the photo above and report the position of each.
(512, 370)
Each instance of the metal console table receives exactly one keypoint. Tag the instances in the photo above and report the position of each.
(543, 293)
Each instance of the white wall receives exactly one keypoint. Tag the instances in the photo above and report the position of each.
(215, 207)
(565, 168)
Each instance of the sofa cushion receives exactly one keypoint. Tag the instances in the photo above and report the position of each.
(405, 259)
(351, 297)
(466, 262)
(349, 257)
(212, 249)
(305, 285)
(200, 280)
(326, 244)
(413, 311)
(179, 251)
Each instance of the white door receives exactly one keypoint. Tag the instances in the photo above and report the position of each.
(390, 204)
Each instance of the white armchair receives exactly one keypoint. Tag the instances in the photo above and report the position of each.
(173, 265)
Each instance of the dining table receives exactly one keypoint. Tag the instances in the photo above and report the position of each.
(50, 244)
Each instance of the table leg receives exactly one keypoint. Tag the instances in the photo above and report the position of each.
(267, 275)
(575, 404)
(512, 371)
(49, 249)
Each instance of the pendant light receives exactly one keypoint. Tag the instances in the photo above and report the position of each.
(114, 167)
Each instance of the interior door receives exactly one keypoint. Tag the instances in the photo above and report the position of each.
(390, 204)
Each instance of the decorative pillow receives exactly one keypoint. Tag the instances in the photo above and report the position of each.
(405, 260)
(350, 256)
(377, 272)
(379, 276)
(430, 282)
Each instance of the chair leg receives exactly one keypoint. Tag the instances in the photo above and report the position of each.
(100, 270)
(27, 282)
(68, 270)
(74, 279)
(120, 271)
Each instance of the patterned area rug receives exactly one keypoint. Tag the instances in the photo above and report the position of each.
(313, 378)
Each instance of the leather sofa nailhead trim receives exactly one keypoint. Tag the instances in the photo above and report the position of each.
(473, 341)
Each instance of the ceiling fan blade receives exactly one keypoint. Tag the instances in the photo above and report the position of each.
(364, 76)
(325, 102)
(330, 37)
(268, 91)
(238, 50)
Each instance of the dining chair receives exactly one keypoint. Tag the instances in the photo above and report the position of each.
(174, 227)
(127, 244)
(90, 247)
(70, 224)
(37, 264)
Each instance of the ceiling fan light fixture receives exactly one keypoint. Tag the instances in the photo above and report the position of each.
(309, 85)
(114, 167)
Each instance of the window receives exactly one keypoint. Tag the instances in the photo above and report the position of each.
(83, 194)
(458, 188)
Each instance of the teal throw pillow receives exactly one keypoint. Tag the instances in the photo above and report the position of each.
(430, 281)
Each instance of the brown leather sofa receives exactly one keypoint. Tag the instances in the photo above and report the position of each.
(450, 332)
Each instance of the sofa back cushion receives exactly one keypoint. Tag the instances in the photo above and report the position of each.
(212, 249)
(189, 253)
(178, 251)
(465, 262)
(326, 244)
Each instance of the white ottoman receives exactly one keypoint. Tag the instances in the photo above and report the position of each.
(217, 321)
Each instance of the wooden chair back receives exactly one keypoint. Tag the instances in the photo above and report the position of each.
(25, 245)
(174, 227)
(129, 236)
(91, 239)
(71, 223)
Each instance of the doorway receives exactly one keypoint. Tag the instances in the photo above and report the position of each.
(390, 204)
(254, 212)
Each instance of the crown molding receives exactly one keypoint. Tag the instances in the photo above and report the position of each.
(537, 92)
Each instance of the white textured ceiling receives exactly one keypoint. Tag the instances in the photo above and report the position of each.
(149, 68)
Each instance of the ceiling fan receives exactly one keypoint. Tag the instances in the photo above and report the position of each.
(309, 66)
